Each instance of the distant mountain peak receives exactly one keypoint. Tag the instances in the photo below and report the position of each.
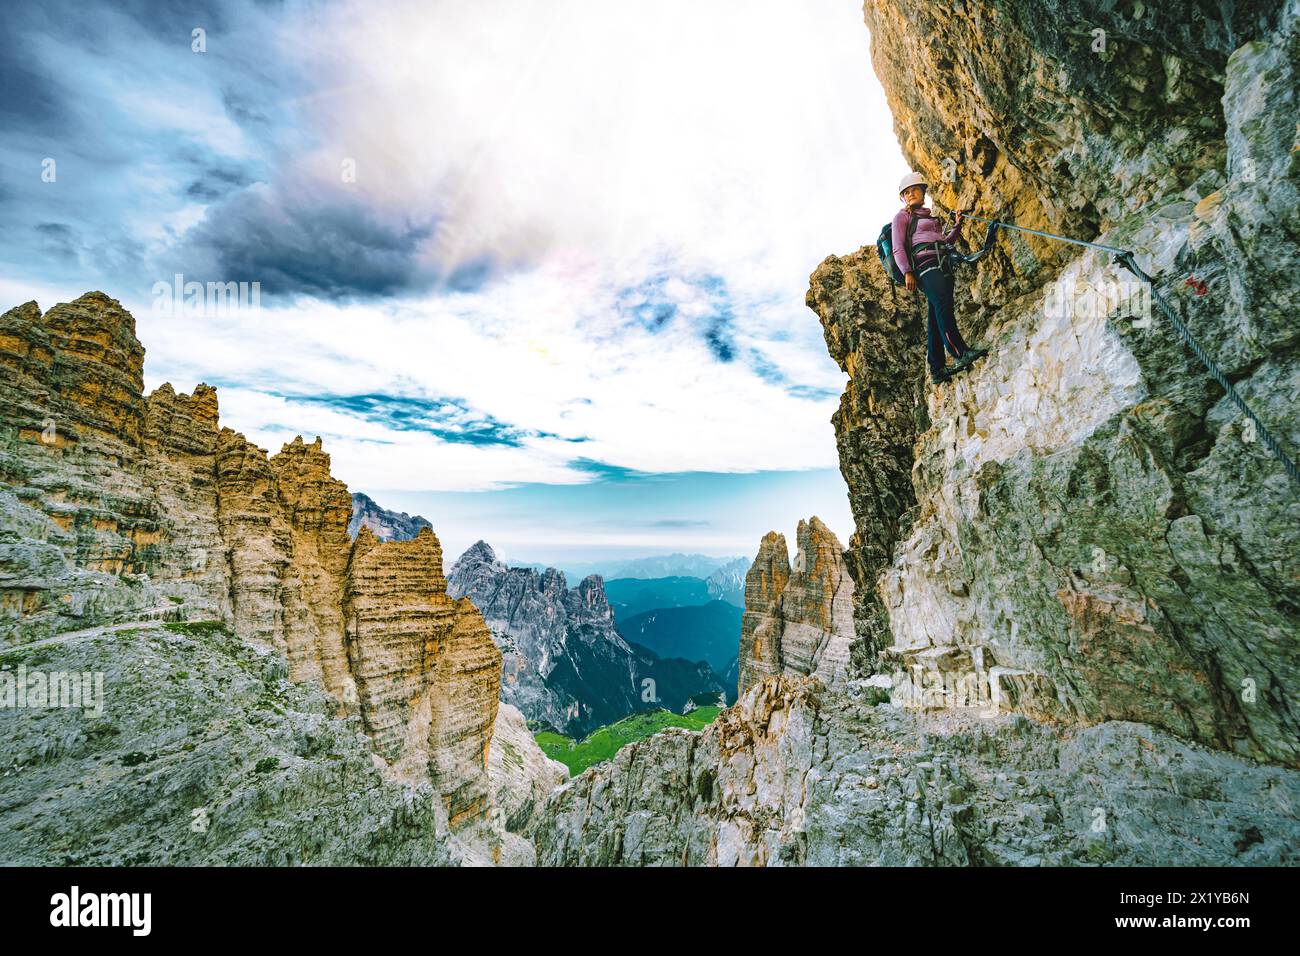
(565, 664)
(480, 550)
(727, 583)
(477, 556)
(384, 524)
(676, 564)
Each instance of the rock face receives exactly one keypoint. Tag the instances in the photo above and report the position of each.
(1080, 530)
(1086, 526)
(85, 524)
(798, 621)
(521, 775)
(794, 775)
(118, 509)
(427, 672)
(760, 636)
(181, 437)
(383, 524)
(205, 754)
(565, 665)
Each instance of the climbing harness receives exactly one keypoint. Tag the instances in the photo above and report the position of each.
(942, 262)
(1124, 257)
(948, 256)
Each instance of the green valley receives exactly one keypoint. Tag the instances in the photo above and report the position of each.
(601, 744)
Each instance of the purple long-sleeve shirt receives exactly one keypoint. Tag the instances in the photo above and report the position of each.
(927, 230)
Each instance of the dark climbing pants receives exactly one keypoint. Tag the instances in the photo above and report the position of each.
(941, 329)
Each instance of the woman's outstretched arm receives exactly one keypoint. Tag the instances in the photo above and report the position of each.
(956, 229)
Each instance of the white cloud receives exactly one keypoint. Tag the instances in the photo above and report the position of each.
(741, 131)
(590, 146)
(528, 353)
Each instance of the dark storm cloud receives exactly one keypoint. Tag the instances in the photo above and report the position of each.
(316, 241)
(144, 129)
(75, 249)
(319, 245)
(58, 239)
(30, 98)
(217, 182)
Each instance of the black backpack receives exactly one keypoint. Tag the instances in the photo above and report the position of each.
(885, 247)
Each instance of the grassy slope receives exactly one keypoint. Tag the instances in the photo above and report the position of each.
(603, 743)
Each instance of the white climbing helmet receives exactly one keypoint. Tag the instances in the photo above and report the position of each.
(912, 179)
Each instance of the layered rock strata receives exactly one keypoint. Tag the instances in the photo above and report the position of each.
(116, 508)
(427, 673)
(798, 620)
(85, 529)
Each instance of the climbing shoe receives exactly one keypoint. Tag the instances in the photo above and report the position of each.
(938, 378)
(969, 356)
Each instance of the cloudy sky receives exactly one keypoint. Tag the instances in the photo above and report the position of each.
(533, 269)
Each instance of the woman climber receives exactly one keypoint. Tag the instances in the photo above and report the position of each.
(920, 251)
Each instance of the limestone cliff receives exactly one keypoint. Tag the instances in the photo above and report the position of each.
(521, 776)
(426, 669)
(180, 441)
(117, 509)
(84, 526)
(1075, 597)
(1081, 520)
(800, 620)
(794, 775)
